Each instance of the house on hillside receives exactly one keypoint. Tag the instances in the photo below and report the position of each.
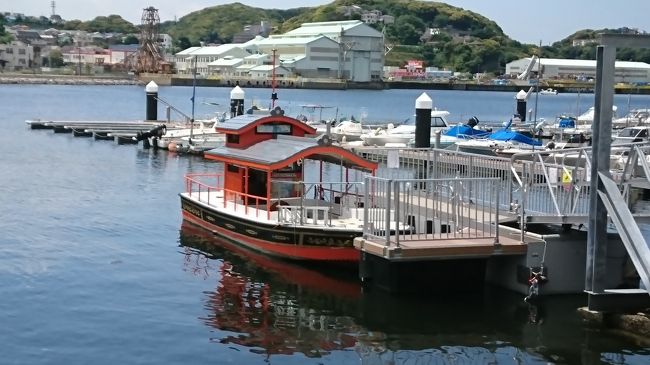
(16, 56)
(121, 53)
(251, 31)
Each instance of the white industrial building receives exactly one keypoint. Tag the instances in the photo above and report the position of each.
(359, 55)
(203, 56)
(349, 50)
(554, 68)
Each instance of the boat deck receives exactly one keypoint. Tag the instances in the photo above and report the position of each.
(441, 249)
(324, 216)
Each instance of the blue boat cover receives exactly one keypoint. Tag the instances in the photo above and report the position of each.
(566, 122)
(464, 130)
(507, 135)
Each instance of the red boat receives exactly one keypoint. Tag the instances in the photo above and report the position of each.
(259, 197)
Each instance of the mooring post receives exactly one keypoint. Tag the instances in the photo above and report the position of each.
(423, 106)
(521, 97)
(152, 100)
(236, 101)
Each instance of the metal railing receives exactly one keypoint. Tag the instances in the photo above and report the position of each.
(428, 163)
(537, 187)
(297, 202)
(399, 210)
(629, 231)
(317, 203)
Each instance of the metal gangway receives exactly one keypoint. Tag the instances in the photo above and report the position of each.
(539, 187)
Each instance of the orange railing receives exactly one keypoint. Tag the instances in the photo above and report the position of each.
(211, 183)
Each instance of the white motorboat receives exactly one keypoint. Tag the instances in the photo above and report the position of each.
(197, 144)
(632, 135)
(634, 118)
(587, 118)
(503, 142)
(200, 129)
(405, 134)
(385, 136)
(548, 91)
(347, 131)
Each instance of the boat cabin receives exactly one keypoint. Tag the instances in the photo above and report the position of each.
(263, 159)
(632, 135)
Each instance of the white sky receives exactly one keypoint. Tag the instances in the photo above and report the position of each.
(525, 21)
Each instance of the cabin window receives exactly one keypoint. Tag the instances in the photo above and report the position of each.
(274, 129)
(437, 122)
(232, 138)
(233, 168)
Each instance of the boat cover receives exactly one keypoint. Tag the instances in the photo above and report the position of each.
(464, 130)
(510, 136)
(566, 122)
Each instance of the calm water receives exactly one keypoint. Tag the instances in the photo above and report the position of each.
(97, 268)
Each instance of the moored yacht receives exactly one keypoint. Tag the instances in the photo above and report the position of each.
(634, 118)
(405, 134)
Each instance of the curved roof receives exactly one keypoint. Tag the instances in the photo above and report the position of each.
(277, 153)
(243, 123)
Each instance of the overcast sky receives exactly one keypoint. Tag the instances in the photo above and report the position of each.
(525, 21)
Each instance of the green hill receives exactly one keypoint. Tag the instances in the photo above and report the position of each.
(466, 41)
(218, 24)
(566, 49)
(439, 34)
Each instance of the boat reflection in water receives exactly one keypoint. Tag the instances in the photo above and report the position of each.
(271, 306)
(274, 307)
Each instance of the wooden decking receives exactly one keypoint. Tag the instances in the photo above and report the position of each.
(443, 249)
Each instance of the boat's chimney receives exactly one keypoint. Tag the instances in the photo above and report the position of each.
(521, 97)
(423, 106)
(152, 100)
(236, 101)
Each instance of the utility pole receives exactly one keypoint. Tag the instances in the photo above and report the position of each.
(78, 58)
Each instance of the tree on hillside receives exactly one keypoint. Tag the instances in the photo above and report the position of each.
(130, 39)
(183, 43)
(407, 29)
(4, 36)
(112, 23)
(73, 24)
(55, 58)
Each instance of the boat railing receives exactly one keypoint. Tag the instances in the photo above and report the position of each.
(399, 210)
(316, 203)
(206, 187)
(209, 189)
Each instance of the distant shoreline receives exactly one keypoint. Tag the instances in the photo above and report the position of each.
(324, 84)
(41, 79)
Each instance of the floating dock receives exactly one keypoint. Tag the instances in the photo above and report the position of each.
(121, 132)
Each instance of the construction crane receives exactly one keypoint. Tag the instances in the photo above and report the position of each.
(148, 57)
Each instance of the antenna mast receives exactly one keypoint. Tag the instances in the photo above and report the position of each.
(274, 95)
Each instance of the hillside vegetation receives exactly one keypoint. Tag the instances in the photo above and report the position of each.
(468, 41)
(462, 40)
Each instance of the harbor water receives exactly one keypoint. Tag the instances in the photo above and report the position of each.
(97, 267)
